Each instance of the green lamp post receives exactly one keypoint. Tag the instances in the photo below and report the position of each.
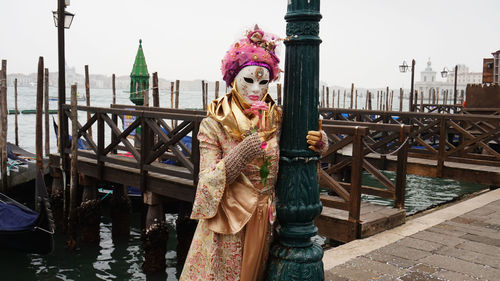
(294, 256)
(139, 78)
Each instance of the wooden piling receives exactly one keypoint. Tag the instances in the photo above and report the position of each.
(156, 90)
(400, 99)
(216, 89)
(87, 96)
(155, 236)
(344, 98)
(278, 89)
(121, 208)
(333, 98)
(327, 97)
(356, 100)
(206, 95)
(113, 87)
(16, 126)
(176, 97)
(352, 93)
(369, 100)
(203, 94)
(387, 98)
(89, 212)
(421, 101)
(378, 100)
(323, 101)
(74, 156)
(177, 94)
(391, 100)
(39, 122)
(46, 111)
(338, 98)
(3, 124)
(172, 85)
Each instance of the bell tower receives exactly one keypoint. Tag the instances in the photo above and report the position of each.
(139, 78)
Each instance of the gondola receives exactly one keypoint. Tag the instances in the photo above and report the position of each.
(26, 230)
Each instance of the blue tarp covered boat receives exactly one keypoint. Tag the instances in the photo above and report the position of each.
(26, 230)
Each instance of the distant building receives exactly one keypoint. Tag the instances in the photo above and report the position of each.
(488, 70)
(496, 67)
(428, 79)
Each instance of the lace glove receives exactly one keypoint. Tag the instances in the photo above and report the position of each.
(324, 139)
(242, 154)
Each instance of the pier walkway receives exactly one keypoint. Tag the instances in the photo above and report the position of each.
(459, 242)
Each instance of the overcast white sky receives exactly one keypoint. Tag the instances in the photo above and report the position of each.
(364, 41)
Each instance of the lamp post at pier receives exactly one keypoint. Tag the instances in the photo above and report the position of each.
(444, 74)
(403, 68)
(294, 256)
(62, 20)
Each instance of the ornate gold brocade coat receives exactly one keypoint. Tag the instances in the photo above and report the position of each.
(233, 235)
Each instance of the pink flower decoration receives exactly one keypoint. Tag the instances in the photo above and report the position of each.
(263, 145)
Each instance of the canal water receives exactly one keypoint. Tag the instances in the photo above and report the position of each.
(123, 260)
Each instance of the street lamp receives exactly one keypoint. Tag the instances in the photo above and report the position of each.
(68, 18)
(403, 68)
(293, 255)
(444, 74)
(62, 20)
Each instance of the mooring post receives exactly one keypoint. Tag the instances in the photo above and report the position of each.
(352, 95)
(89, 211)
(156, 90)
(338, 98)
(172, 85)
(216, 89)
(400, 99)
(356, 99)
(204, 106)
(46, 113)
(39, 123)
(344, 99)
(177, 82)
(16, 126)
(73, 187)
(87, 96)
(3, 126)
(57, 201)
(121, 208)
(294, 256)
(206, 95)
(421, 101)
(155, 236)
(113, 87)
(323, 103)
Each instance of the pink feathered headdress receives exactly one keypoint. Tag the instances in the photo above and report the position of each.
(257, 48)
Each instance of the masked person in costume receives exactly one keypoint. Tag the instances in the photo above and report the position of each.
(234, 203)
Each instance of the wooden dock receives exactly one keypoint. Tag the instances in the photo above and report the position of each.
(334, 223)
(159, 139)
(364, 141)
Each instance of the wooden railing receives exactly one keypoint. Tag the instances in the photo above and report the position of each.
(349, 193)
(463, 138)
(438, 108)
(378, 140)
(149, 139)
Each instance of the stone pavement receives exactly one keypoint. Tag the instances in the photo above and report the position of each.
(460, 242)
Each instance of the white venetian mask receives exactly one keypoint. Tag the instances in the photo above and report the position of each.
(252, 82)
